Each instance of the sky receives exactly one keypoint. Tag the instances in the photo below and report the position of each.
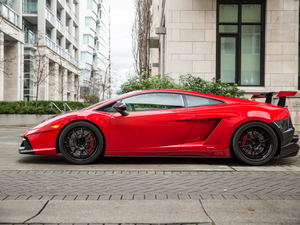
(122, 16)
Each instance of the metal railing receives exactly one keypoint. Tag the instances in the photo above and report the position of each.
(31, 37)
(65, 105)
(50, 16)
(9, 14)
(53, 104)
(59, 50)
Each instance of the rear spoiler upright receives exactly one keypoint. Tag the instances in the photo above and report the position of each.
(281, 95)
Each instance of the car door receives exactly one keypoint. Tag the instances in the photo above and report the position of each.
(157, 124)
(206, 110)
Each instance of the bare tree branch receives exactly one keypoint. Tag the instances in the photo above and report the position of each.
(141, 35)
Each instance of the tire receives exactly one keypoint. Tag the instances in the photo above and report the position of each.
(255, 143)
(81, 143)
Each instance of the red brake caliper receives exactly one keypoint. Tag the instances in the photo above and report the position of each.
(245, 141)
(92, 144)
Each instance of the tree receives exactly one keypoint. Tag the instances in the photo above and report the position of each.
(141, 35)
(62, 86)
(39, 69)
(91, 98)
(100, 81)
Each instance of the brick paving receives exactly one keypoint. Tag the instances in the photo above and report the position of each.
(147, 185)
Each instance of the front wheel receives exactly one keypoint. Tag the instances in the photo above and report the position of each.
(81, 143)
(255, 143)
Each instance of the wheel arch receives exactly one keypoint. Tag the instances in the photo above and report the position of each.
(259, 121)
(81, 120)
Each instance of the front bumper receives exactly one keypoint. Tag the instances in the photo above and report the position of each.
(25, 147)
(290, 149)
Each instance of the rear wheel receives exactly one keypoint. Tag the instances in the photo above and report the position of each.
(81, 143)
(255, 143)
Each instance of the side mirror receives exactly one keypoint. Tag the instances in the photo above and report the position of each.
(121, 108)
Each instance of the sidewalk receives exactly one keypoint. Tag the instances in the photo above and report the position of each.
(218, 212)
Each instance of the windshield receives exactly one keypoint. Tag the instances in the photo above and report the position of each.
(116, 97)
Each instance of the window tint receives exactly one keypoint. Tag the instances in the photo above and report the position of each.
(193, 101)
(107, 108)
(154, 101)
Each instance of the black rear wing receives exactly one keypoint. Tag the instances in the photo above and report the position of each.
(281, 95)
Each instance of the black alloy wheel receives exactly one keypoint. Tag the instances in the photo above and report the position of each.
(81, 143)
(255, 143)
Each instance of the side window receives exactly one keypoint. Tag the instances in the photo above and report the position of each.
(107, 108)
(193, 101)
(154, 101)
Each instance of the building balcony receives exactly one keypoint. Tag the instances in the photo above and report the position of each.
(30, 8)
(31, 37)
(60, 26)
(60, 51)
(50, 16)
(9, 14)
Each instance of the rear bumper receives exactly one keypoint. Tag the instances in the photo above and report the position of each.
(290, 149)
(25, 147)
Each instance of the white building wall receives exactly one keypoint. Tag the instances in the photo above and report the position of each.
(191, 41)
(189, 46)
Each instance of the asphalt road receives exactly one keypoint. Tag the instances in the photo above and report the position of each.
(48, 189)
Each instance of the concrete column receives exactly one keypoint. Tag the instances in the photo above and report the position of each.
(71, 86)
(65, 85)
(1, 66)
(54, 11)
(76, 88)
(12, 67)
(20, 64)
(43, 89)
(54, 82)
(63, 21)
(41, 22)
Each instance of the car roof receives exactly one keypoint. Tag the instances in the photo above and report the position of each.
(228, 100)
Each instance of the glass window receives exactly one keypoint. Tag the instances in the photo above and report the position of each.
(251, 13)
(228, 28)
(90, 4)
(88, 21)
(228, 13)
(228, 59)
(193, 101)
(240, 42)
(87, 57)
(85, 39)
(154, 101)
(250, 61)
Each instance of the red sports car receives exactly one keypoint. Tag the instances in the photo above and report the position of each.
(167, 123)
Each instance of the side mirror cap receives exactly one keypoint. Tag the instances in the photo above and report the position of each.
(121, 108)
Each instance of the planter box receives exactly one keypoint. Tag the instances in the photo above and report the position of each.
(21, 119)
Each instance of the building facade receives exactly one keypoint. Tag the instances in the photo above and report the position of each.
(95, 59)
(42, 43)
(253, 43)
(11, 47)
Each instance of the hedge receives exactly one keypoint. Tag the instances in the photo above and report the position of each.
(28, 107)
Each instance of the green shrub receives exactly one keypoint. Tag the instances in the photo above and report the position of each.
(186, 82)
(216, 87)
(153, 82)
(28, 107)
(91, 99)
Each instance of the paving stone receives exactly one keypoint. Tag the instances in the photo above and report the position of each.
(135, 185)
